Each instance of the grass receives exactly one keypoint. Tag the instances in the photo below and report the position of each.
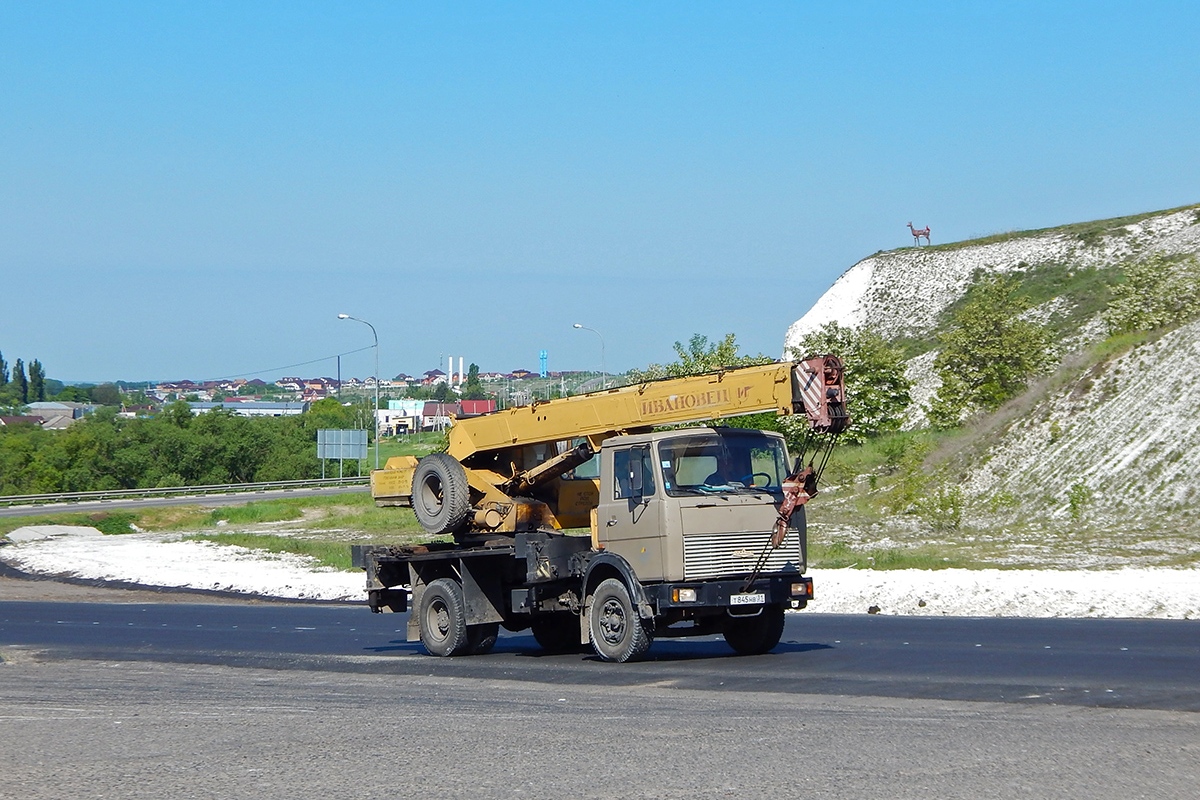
(256, 513)
(329, 554)
(1086, 232)
(1086, 290)
(109, 522)
(414, 444)
(841, 554)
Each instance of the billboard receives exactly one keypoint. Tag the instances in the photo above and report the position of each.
(348, 445)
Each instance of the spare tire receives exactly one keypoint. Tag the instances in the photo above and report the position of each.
(441, 498)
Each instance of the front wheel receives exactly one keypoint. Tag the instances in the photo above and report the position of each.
(752, 636)
(617, 632)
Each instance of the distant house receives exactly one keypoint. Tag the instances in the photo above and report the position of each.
(131, 412)
(438, 416)
(401, 416)
(476, 408)
(520, 374)
(8, 422)
(252, 408)
(177, 388)
(57, 415)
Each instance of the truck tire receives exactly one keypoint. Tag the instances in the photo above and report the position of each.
(753, 636)
(557, 633)
(482, 638)
(443, 619)
(617, 632)
(441, 498)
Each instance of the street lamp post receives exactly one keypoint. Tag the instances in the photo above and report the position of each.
(376, 335)
(603, 366)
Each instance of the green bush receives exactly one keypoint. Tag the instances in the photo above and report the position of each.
(990, 354)
(1157, 292)
(113, 523)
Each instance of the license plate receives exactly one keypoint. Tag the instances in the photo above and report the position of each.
(754, 599)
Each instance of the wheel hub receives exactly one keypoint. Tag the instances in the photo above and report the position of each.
(612, 622)
(440, 619)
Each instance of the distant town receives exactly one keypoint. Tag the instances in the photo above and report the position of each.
(407, 403)
(312, 389)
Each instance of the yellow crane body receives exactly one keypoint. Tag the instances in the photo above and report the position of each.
(512, 459)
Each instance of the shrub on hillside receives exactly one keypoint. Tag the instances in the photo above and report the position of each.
(1156, 292)
(989, 354)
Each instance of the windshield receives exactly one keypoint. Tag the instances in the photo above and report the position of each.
(733, 460)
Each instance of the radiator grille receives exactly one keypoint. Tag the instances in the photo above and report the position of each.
(713, 555)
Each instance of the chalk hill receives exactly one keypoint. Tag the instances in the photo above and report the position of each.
(1116, 427)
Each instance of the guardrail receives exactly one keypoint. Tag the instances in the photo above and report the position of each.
(175, 491)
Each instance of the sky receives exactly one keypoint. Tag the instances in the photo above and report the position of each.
(197, 190)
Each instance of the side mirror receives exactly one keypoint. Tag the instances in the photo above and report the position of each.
(635, 472)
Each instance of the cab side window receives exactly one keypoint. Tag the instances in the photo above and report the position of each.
(626, 463)
(588, 470)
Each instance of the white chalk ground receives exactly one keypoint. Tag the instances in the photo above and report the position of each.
(163, 560)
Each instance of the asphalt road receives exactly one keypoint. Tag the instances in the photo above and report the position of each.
(205, 500)
(271, 701)
(1084, 662)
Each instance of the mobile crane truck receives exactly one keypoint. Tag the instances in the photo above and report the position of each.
(693, 531)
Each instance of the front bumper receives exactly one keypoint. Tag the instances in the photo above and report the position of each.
(719, 594)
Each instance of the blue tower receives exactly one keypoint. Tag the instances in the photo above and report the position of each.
(542, 362)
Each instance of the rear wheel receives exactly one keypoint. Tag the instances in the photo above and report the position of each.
(443, 619)
(752, 636)
(441, 498)
(617, 632)
(557, 633)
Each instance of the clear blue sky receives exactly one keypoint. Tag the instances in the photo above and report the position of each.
(196, 190)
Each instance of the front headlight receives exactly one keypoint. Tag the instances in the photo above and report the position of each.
(683, 595)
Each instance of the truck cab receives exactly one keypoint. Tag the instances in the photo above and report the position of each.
(696, 504)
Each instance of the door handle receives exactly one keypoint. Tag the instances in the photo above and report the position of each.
(611, 522)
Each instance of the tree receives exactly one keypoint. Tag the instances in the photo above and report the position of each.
(70, 394)
(699, 356)
(328, 414)
(990, 353)
(106, 394)
(1156, 292)
(877, 392)
(178, 413)
(37, 381)
(441, 392)
(20, 383)
(473, 388)
(3, 370)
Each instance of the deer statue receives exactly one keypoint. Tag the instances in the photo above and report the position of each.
(918, 233)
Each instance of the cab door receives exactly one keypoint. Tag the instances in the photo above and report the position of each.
(631, 518)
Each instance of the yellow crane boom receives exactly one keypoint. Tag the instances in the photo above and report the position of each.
(507, 452)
